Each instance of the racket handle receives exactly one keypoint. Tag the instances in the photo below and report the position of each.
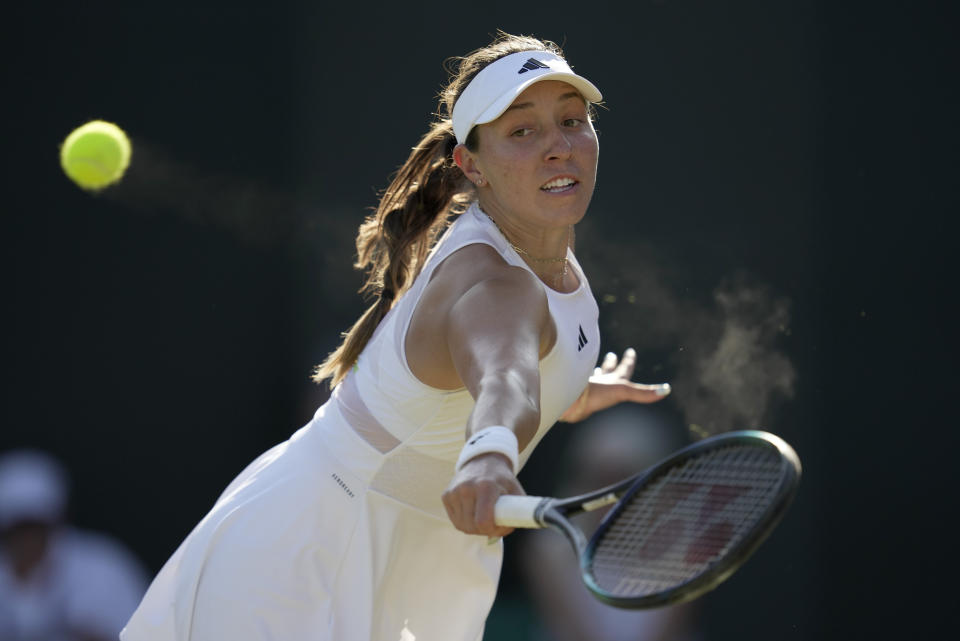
(517, 511)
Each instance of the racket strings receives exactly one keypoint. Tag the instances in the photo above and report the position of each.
(679, 525)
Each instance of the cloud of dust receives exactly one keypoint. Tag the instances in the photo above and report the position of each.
(720, 349)
(733, 378)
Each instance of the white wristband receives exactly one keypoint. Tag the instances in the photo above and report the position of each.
(496, 438)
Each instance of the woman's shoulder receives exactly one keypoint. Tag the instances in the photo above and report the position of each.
(479, 263)
(473, 293)
(477, 278)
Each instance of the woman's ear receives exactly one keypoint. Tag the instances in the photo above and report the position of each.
(467, 163)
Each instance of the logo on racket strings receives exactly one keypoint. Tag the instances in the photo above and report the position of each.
(701, 517)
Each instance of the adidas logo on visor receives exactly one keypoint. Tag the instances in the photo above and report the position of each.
(532, 65)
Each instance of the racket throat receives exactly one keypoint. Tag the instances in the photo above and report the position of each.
(553, 519)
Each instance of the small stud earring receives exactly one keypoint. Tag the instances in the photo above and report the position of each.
(479, 181)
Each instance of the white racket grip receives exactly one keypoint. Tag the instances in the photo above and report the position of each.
(517, 511)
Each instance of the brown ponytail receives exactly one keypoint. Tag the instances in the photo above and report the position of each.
(394, 241)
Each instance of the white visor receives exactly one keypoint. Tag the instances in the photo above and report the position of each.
(498, 84)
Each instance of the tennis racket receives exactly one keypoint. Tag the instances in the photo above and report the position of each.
(678, 529)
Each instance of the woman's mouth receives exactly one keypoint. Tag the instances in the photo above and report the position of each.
(559, 185)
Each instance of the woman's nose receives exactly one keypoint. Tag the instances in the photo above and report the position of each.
(559, 145)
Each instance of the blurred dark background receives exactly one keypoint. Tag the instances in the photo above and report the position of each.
(785, 167)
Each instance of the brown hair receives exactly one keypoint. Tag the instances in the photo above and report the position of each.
(393, 242)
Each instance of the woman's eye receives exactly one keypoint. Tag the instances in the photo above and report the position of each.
(572, 122)
(523, 131)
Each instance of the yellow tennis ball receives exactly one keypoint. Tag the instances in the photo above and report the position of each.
(96, 154)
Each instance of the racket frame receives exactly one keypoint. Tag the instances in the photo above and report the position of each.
(731, 561)
(554, 513)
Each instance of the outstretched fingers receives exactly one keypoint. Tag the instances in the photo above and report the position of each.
(621, 368)
(607, 365)
(641, 393)
(629, 361)
(611, 384)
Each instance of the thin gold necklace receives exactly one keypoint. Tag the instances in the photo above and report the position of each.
(558, 279)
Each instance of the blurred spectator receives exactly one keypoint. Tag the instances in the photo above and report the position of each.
(605, 449)
(57, 583)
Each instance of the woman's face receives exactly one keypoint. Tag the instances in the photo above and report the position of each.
(538, 159)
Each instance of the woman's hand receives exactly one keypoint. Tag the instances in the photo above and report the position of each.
(610, 384)
(474, 490)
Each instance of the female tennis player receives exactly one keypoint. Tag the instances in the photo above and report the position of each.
(374, 522)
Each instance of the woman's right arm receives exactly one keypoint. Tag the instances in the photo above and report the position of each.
(494, 325)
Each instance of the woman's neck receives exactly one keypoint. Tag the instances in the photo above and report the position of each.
(550, 260)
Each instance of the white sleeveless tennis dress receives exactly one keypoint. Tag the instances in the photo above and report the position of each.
(339, 533)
